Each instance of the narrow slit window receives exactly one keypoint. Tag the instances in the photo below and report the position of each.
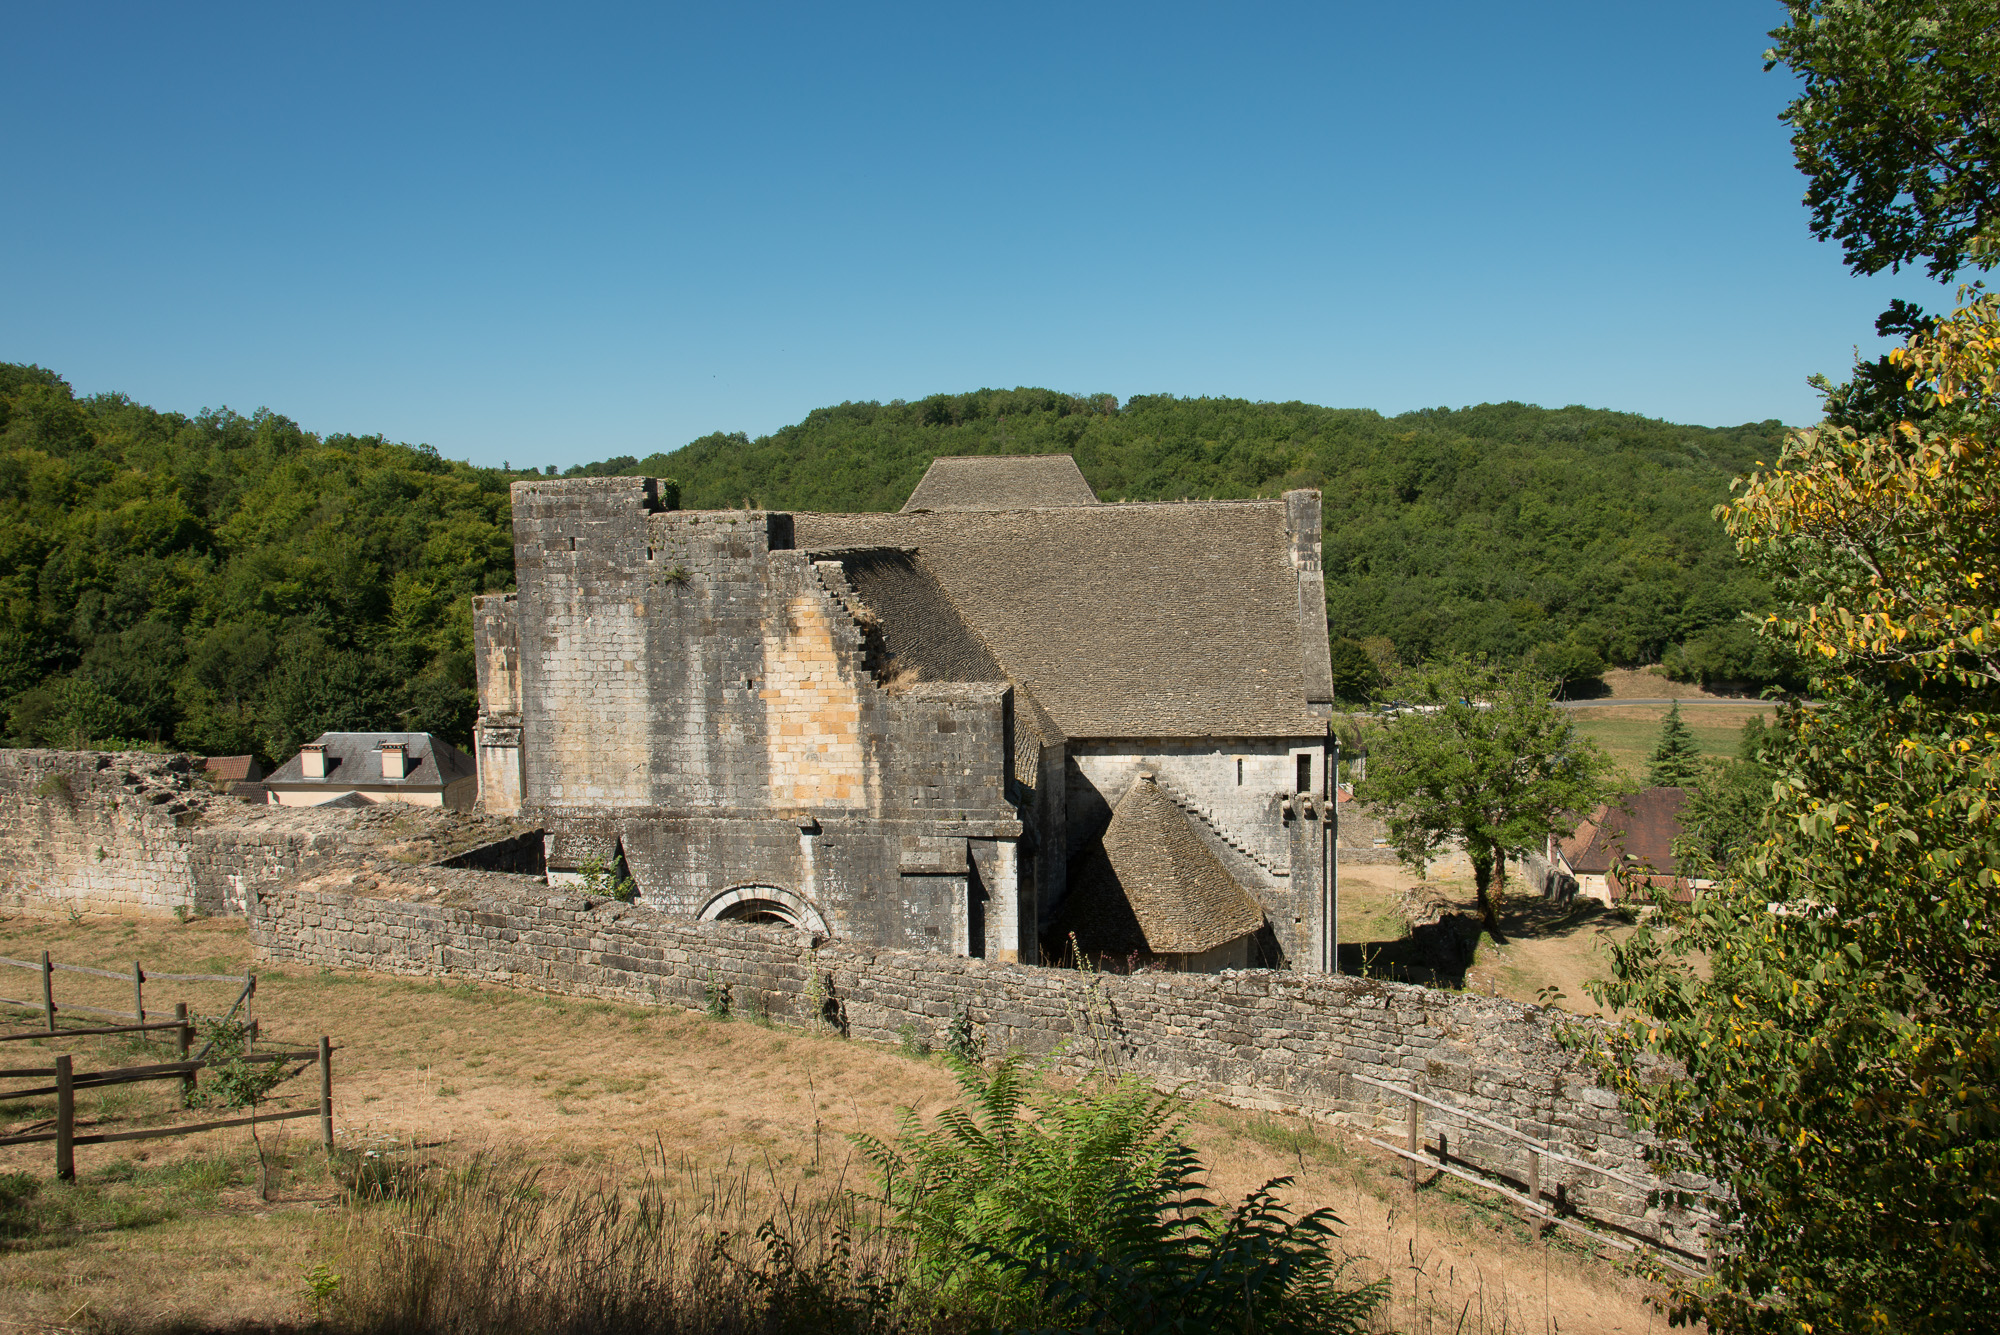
(572, 544)
(1305, 771)
(1239, 771)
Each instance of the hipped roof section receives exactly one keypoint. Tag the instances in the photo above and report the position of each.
(1150, 620)
(355, 758)
(1150, 884)
(1000, 482)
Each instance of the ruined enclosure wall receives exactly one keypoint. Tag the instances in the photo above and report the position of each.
(1260, 1039)
(96, 831)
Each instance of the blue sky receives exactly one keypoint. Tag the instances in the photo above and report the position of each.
(555, 234)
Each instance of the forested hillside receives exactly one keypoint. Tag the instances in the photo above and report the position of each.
(1575, 535)
(231, 584)
(227, 583)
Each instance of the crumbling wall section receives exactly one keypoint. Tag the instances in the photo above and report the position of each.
(97, 831)
(1263, 1039)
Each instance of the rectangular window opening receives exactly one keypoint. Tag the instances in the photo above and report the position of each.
(1305, 771)
(572, 544)
(1239, 771)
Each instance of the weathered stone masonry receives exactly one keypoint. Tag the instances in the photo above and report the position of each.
(1258, 1038)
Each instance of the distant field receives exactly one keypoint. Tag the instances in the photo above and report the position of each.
(1630, 732)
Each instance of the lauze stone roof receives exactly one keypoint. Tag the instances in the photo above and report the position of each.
(1000, 482)
(1157, 620)
(1151, 885)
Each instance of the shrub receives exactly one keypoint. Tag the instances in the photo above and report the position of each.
(1080, 1209)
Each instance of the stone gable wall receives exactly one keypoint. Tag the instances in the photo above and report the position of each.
(1260, 1039)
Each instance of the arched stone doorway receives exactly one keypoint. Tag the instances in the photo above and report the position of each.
(771, 905)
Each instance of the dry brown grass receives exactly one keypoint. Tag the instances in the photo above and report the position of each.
(586, 1087)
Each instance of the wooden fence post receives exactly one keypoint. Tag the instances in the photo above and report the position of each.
(65, 1119)
(326, 1092)
(138, 993)
(49, 990)
(1416, 1143)
(184, 1038)
(250, 996)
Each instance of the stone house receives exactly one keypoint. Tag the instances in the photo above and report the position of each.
(907, 729)
(360, 768)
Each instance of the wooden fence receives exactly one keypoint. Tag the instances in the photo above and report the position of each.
(1551, 1207)
(245, 1001)
(68, 1080)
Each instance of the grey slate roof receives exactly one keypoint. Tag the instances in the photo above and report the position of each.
(354, 759)
(1151, 884)
(1000, 482)
(1156, 620)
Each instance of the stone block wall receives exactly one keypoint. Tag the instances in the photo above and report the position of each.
(1261, 1039)
(99, 831)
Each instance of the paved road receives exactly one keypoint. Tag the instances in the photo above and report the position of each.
(1608, 702)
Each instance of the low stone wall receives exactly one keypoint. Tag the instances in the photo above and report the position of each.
(1258, 1038)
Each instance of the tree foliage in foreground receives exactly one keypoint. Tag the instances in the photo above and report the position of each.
(1485, 761)
(1835, 1000)
(1895, 127)
(1079, 1209)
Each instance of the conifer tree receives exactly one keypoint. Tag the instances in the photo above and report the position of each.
(1676, 761)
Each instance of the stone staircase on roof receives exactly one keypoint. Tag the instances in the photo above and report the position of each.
(1216, 833)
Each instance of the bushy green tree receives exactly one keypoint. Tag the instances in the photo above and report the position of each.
(1727, 806)
(1356, 679)
(1485, 760)
(1676, 758)
(1834, 1002)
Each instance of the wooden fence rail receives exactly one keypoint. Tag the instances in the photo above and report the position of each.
(1552, 1207)
(48, 969)
(68, 1081)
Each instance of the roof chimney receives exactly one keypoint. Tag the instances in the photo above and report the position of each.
(394, 758)
(312, 760)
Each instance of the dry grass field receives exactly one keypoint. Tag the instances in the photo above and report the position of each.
(175, 1229)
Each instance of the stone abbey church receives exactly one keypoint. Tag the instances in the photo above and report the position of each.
(1006, 717)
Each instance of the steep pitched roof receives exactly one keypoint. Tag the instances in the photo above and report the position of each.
(354, 759)
(1641, 829)
(1000, 482)
(1151, 884)
(1155, 620)
(920, 627)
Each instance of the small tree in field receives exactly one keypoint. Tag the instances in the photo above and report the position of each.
(1676, 761)
(1486, 759)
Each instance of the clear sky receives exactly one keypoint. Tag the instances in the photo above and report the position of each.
(559, 233)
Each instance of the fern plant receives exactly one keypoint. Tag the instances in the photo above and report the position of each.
(1081, 1208)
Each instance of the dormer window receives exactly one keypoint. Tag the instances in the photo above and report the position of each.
(394, 760)
(312, 760)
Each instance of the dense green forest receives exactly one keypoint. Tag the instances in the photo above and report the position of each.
(228, 584)
(1577, 537)
(231, 584)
